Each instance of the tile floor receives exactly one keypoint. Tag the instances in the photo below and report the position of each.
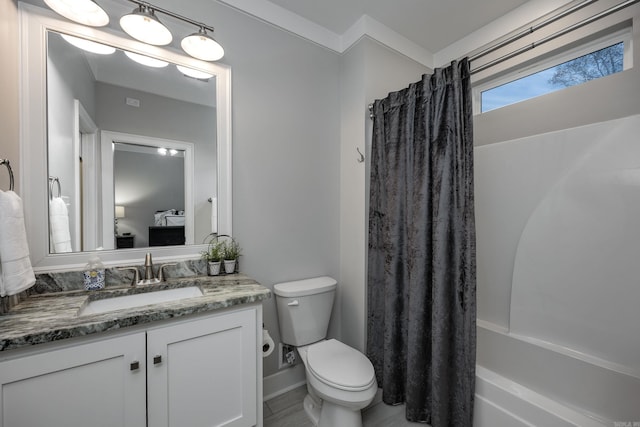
(286, 411)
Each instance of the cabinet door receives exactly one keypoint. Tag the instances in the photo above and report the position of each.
(205, 372)
(90, 384)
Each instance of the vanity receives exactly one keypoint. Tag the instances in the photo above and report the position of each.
(191, 361)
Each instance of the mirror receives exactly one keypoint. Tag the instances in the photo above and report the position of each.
(139, 156)
(144, 172)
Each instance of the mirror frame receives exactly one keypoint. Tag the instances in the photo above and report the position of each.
(34, 23)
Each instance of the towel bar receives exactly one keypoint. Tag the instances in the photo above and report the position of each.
(8, 165)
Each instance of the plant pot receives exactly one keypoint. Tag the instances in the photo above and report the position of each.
(214, 268)
(229, 266)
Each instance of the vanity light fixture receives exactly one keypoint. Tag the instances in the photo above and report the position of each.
(86, 12)
(88, 45)
(202, 46)
(196, 74)
(146, 60)
(142, 24)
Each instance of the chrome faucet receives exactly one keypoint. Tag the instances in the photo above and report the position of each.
(149, 277)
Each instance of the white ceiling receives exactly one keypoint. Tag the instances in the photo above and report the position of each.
(431, 24)
(431, 32)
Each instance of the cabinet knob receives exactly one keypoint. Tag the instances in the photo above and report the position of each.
(135, 365)
(157, 359)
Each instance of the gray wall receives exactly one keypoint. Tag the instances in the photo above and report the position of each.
(286, 150)
(368, 71)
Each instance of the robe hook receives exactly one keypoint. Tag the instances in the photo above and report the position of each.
(361, 158)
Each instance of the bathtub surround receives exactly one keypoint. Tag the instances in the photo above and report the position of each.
(422, 280)
(557, 314)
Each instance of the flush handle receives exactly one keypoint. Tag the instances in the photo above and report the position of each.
(157, 360)
(294, 303)
(135, 365)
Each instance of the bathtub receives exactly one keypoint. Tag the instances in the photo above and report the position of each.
(524, 382)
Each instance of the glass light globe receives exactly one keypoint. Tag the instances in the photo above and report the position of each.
(86, 12)
(142, 24)
(202, 46)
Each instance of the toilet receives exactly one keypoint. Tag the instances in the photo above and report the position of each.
(340, 380)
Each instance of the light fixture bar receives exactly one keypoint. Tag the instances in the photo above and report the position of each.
(199, 45)
(172, 14)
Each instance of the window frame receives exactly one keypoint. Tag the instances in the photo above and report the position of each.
(624, 35)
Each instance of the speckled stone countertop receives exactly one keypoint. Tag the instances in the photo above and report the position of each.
(54, 316)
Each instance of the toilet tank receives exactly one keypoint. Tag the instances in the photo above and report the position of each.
(304, 309)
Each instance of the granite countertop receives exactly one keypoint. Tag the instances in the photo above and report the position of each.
(54, 316)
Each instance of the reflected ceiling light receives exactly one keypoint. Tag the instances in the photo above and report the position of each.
(146, 60)
(88, 45)
(85, 12)
(162, 151)
(142, 24)
(202, 46)
(173, 151)
(196, 74)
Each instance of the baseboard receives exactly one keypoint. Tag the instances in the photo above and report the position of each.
(283, 381)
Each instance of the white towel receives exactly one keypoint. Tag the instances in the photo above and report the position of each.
(16, 273)
(214, 215)
(59, 226)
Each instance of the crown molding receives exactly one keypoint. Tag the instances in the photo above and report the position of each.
(302, 27)
(367, 26)
(288, 21)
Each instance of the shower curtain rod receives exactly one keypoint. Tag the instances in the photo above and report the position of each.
(531, 29)
(549, 38)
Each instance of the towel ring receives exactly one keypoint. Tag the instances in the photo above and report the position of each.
(8, 165)
(56, 180)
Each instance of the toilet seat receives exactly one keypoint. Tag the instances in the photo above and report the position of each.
(340, 366)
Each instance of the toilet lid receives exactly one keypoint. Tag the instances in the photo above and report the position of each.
(340, 366)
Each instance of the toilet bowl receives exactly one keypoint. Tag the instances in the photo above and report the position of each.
(340, 380)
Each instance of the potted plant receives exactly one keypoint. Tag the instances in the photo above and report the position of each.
(231, 253)
(213, 255)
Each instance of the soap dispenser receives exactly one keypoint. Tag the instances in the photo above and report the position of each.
(93, 274)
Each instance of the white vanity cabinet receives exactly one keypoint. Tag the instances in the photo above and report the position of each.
(89, 384)
(202, 370)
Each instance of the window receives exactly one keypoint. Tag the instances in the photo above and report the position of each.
(601, 58)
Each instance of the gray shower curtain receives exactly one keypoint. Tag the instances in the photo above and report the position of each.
(421, 258)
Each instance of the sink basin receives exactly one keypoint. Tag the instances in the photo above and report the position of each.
(138, 300)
